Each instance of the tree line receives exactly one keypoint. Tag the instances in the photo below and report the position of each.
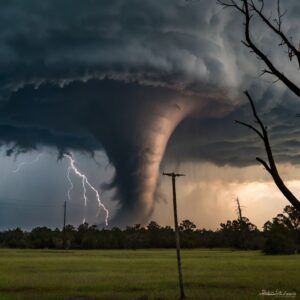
(281, 235)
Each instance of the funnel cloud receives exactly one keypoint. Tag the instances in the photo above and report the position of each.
(147, 82)
(130, 122)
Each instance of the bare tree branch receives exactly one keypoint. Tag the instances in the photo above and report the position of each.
(264, 164)
(248, 9)
(231, 3)
(250, 127)
(255, 113)
(278, 30)
(271, 167)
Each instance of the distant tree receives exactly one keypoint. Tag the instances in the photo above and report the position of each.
(153, 226)
(116, 238)
(251, 9)
(243, 226)
(90, 237)
(135, 236)
(232, 233)
(188, 236)
(42, 237)
(15, 238)
(279, 240)
(57, 239)
(187, 225)
(283, 233)
(290, 218)
(70, 233)
(154, 233)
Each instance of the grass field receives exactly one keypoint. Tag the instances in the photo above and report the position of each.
(144, 274)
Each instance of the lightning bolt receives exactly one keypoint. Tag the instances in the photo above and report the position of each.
(85, 184)
(71, 188)
(71, 183)
(19, 167)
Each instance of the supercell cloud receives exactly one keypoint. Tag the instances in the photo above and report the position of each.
(126, 77)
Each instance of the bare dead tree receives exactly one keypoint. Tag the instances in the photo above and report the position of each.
(256, 8)
(241, 222)
(239, 209)
(270, 166)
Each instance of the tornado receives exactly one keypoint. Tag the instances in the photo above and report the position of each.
(135, 148)
(134, 129)
(131, 122)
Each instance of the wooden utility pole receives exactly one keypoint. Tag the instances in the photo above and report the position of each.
(174, 175)
(64, 227)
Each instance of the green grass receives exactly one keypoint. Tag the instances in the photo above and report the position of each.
(126, 274)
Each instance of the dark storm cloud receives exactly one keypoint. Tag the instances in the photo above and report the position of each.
(155, 42)
(121, 75)
(222, 142)
(131, 122)
(184, 44)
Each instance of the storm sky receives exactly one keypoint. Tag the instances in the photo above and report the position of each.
(131, 89)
